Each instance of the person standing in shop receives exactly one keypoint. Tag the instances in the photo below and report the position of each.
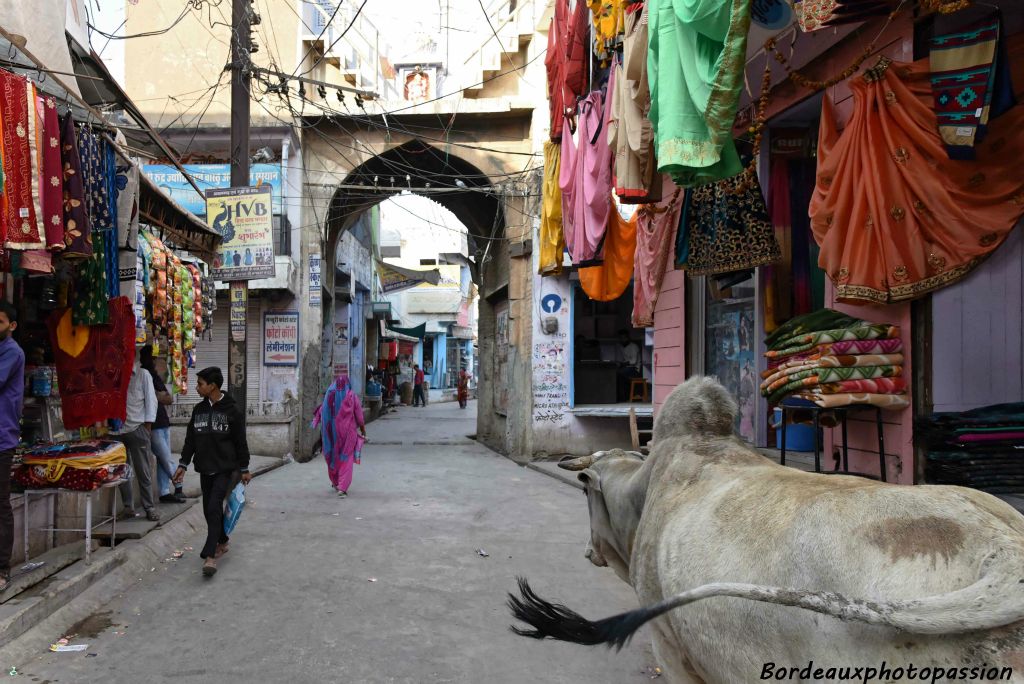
(136, 435)
(418, 378)
(12, 393)
(160, 441)
(215, 438)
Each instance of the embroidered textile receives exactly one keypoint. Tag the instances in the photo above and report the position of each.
(77, 228)
(963, 68)
(656, 228)
(896, 218)
(551, 239)
(94, 364)
(823, 319)
(607, 281)
(696, 58)
(52, 188)
(813, 15)
(19, 220)
(875, 386)
(723, 230)
(800, 343)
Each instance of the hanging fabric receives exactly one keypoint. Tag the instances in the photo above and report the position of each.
(656, 228)
(609, 22)
(19, 221)
(896, 218)
(696, 61)
(77, 227)
(565, 62)
(607, 281)
(725, 228)
(970, 84)
(636, 177)
(551, 238)
(813, 15)
(50, 179)
(586, 183)
(94, 364)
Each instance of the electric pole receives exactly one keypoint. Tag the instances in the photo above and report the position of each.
(241, 44)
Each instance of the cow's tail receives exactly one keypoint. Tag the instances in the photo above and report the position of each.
(993, 601)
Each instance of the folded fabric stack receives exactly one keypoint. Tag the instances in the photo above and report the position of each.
(982, 448)
(81, 466)
(834, 360)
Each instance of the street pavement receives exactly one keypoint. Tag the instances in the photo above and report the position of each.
(388, 585)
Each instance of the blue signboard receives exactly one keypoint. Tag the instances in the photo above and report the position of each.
(551, 303)
(209, 176)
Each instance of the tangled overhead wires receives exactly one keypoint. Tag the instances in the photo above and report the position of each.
(189, 5)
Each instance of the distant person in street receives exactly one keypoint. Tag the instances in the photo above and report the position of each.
(463, 388)
(160, 437)
(418, 378)
(629, 359)
(342, 431)
(12, 393)
(215, 438)
(135, 434)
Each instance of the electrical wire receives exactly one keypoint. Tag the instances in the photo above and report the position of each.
(189, 4)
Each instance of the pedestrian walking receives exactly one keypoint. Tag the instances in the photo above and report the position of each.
(216, 440)
(343, 432)
(160, 435)
(463, 388)
(12, 392)
(418, 379)
(135, 434)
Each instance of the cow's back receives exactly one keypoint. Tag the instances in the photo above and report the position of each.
(737, 517)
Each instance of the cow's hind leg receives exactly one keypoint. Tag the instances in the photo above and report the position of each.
(675, 664)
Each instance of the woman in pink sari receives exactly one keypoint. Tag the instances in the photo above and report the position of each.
(343, 431)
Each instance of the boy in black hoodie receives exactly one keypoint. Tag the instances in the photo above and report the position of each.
(216, 437)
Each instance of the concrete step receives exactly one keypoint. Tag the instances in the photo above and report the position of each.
(53, 561)
(30, 607)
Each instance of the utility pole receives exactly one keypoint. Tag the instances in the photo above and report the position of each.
(240, 76)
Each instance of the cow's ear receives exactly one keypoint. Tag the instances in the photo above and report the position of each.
(590, 479)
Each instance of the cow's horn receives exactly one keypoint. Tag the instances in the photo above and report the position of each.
(578, 463)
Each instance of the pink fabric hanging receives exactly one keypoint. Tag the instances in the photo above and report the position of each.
(655, 234)
(586, 182)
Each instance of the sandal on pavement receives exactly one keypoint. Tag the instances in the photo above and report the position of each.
(342, 495)
(210, 567)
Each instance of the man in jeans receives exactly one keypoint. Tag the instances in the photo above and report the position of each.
(135, 434)
(12, 391)
(161, 435)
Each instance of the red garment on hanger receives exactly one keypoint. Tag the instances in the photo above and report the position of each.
(566, 61)
(94, 364)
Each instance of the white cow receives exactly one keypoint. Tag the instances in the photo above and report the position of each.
(753, 571)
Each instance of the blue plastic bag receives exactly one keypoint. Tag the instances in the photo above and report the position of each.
(236, 502)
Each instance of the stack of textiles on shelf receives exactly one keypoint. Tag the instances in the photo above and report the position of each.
(982, 448)
(82, 466)
(834, 360)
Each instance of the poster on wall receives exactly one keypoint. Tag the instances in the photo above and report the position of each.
(501, 363)
(239, 304)
(281, 338)
(208, 177)
(314, 279)
(551, 356)
(244, 220)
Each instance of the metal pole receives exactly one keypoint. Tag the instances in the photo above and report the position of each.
(240, 75)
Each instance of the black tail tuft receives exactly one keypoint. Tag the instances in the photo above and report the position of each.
(555, 621)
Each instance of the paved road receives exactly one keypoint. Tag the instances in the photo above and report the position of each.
(293, 601)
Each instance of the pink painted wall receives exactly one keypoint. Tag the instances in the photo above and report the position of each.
(669, 337)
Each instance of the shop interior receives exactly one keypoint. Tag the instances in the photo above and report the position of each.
(602, 332)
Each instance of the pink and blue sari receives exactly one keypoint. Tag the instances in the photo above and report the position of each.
(340, 417)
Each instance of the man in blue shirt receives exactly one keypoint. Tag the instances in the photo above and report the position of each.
(12, 392)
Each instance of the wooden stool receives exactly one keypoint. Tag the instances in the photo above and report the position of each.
(645, 396)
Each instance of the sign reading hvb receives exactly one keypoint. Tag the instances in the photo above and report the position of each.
(281, 338)
(244, 220)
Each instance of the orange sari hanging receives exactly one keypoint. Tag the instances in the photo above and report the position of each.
(607, 282)
(894, 216)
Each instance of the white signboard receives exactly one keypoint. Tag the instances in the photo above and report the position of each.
(281, 338)
(314, 279)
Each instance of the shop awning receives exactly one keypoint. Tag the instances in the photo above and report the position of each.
(418, 332)
(389, 334)
(395, 278)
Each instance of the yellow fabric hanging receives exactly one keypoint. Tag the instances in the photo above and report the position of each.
(552, 239)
